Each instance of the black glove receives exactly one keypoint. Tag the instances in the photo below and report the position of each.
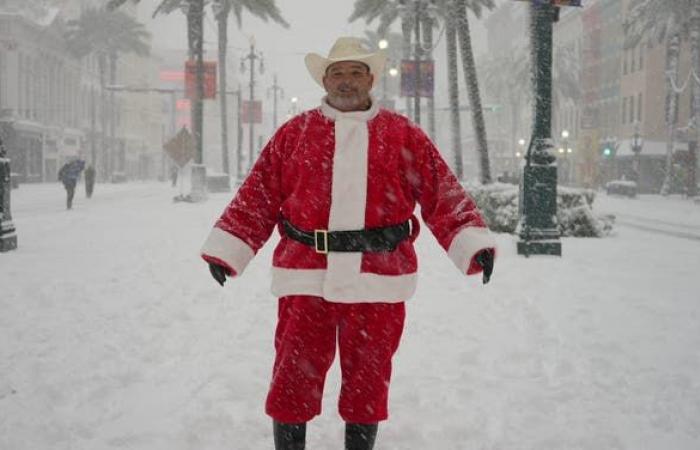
(485, 260)
(218, 272)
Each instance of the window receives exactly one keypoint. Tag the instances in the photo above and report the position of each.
(641, 56)
(624, 110)
(631, 109)
(632, 60)
(624, 62)
(639, 107)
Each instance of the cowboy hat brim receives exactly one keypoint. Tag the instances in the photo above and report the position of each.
(317, 64)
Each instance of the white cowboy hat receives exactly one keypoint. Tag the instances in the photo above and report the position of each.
(345, 49)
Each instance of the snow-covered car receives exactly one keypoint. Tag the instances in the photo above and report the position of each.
(621, 187)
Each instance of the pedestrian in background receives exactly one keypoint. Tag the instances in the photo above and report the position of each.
(69, 175)
(89, 180)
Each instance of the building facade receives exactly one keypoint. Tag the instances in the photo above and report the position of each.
(53, 105)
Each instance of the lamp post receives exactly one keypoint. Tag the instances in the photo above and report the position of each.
(539, 231)
(8, 236)
(637, 144)
(251, 57)
(275, 89)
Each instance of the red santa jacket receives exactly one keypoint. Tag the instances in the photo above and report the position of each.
(332, 170)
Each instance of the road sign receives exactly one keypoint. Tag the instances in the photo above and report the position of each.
(209, 79)
(181, 147)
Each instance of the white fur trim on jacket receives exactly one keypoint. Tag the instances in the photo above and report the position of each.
(228, 248)
(467, 243)
(355, 287)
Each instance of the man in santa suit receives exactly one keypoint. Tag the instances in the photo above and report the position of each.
(340, 183)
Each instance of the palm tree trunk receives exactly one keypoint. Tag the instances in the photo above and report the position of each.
(406, 28)
(672, 56)
(453, 89)
(469, 68)
(112, 119)
(428, 41)
(197, 15)
(222, 23)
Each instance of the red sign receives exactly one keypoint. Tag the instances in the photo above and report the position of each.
(255, 111)
(408, 78)
(209, 79)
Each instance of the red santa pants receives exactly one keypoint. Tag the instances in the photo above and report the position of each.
(368, 335)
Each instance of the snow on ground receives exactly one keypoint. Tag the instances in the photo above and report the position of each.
(113, 336)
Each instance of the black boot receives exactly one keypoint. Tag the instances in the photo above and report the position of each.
(360, 436)
(289, 436)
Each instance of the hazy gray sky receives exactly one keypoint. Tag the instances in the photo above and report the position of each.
(314, 26)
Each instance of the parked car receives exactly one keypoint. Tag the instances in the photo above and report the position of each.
(621, 187)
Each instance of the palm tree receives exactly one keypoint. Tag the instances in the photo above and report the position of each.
(465, 47)
(454, 13)
(664, 21)
(194, 11)
(386, 11)
(262, 9)
(106, 35)
(503, 77)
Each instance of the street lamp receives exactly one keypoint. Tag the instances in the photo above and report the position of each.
(383, 44)
(252, 56)
(539, 231)
(519, 152)
(565, 151)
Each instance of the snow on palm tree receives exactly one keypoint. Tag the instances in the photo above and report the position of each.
(106, 35)
(454, 13)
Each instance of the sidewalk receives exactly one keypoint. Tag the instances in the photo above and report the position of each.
(113, 335)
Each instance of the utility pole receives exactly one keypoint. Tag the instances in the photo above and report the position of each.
(275, 88)
(252, 56)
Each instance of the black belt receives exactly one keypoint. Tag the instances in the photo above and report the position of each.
(384, 239)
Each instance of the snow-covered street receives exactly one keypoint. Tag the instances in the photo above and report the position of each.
(114, 336)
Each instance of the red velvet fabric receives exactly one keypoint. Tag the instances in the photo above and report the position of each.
(308, 328)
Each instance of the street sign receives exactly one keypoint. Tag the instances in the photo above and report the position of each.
(256, 111)
(408, 78)
(181, 147)
(209, 79)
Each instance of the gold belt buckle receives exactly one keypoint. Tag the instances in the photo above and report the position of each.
(324, 239)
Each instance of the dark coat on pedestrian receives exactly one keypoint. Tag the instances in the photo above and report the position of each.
(70, 172)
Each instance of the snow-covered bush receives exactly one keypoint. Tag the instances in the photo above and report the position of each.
(499, 204)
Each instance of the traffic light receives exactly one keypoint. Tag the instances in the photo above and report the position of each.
(608, 149)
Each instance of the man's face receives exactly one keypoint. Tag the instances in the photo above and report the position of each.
(348, 84)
